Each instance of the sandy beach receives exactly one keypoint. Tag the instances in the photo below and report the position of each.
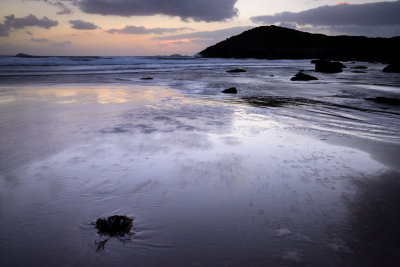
(208, 180)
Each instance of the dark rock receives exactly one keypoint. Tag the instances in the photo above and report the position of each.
(273, 42)
(236, 70)
(395, 68)
(146, 78)
(360, 67)
(231, 90)
(385, 100)
(23, 55)
(317, 61)
(328, 66)
(303, 77)
(114, 225)
(323, 61)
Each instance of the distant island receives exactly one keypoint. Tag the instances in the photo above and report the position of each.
(273, 42)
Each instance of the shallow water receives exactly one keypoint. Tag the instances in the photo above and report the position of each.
(210, 180)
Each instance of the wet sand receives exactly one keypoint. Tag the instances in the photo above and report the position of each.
(208, 182)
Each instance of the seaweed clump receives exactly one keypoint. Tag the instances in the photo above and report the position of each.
(116, 225)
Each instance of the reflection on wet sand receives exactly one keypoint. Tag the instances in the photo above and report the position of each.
(105, 94)
(208, 183)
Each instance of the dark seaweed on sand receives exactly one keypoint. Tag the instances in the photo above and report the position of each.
(114, 226)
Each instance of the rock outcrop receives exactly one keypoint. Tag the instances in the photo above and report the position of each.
(328, 66)
(236, 70)
(273, 42)
(231, 90)
(303, 77)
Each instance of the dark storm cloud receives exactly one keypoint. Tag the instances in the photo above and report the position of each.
(11, 22)
(83, 25)
(143, 30)
(372, 14)
(198, 10)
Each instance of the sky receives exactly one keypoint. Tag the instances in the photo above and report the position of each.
(165, 27)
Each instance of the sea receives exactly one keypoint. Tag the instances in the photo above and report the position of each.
(282, 173)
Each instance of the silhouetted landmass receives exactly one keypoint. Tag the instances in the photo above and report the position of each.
(24, 55)
(273, 42)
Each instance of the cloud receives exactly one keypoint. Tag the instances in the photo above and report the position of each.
(217, 34)
(83, 25)
(11, 22)
(29, 21)
(371, 14)
(143, 30)
(202, 38)
(51, 43)
(198, 10)
(375, 31)
(63, 8)
(60, 4)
